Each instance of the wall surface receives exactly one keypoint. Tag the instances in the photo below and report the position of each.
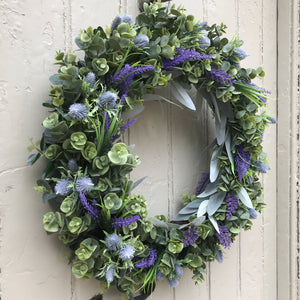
(262, 263)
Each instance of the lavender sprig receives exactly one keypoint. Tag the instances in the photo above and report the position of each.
(92, 209)
(121, 222)
(182, 56)
(220, 76)
(204, 181)
(232, 205)
(190, 236)
(147, 262)
(224, 237)
(242, 161)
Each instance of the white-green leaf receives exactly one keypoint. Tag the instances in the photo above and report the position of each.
(221, 129)
(181, 95)
(129, 114)
(155, 97)
(214, 223)
(198, 221)
(202, 208)
(210, 189)
(215, 104)
(244, 197)
(138, 182)
(228, 149)
(215, 202)
(189, 210)
(214, 167)
(54, 79)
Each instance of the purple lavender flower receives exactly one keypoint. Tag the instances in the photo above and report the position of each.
(78, 111)
(232, 205)
(272, 120)
(110, 274)
(173, 282)
(224, 237)
(84, 185)
(127, 125)
(62, 187)
(90, 79)
(147, 262)
(141, 41)
(107, 123)
(202, 183)
(92, 209)
(219, 256)
(178, 270)
(72, 165)
(218, 75)
(242, 161)
(113, 242)
(240, 53)
(262, 167)
(253, 213)
(182, 56)
(127, 252)
(160, 275)
(190, 236)
(123, 98)
(108, 100)
(121, 222)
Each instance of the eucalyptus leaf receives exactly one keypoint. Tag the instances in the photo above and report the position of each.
(215, 202)
(181, 95)
(198, 221)
(210, 189)
(189, 210)
(244, 197)
(228, 149)
(214, 223)
(32, 158)
(214, 166)
(202, 208)
(162, 224)
(221, 129)
(55, 80)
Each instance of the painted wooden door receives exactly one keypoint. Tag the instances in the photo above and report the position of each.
(170, 141)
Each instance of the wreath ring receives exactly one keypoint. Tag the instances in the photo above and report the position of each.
(85, 180)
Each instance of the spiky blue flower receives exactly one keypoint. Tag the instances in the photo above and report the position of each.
(62, 187)
(127, 252)
(90, 79)
(110, 274)
(178, 270)
(253, 213)
(224, 237)
(141, 41)
(108, 100)
(120, 19)
(219, 256)
(78, 111)
(261, 166)
(92, 208)
(72, 165)
(240, 53)
(173, 282)
(113, 242)
(84, 185)
(160, 275)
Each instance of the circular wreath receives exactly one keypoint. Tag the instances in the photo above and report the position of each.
(85, 180)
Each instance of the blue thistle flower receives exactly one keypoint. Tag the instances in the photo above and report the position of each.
(242, 161)
(121, 222)
(127, 19)
(110, 274)
(92, 209)
(108, 100)
(190, 236)
(203, 24)
(116, 22)
(173, 282)
(178, 270)
(72, 165)
(204, 181)
(113, 242)
(224, 237)
(219, 256)
(141, 41)
(84, 185)
(240, 53)
(90, 79)
(127, 252)
(204, 41)
(218, 75)
(62, 187)
(272, 120)
(261, 166)
(232, 205)
(78, 111)
(253, 213)
(160, 275)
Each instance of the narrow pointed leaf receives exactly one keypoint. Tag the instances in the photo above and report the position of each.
(228, 149)
(138, 182)
(214, 167)
(202, 208)
(210, 189)
(198, 221)
(181, 95)
(244, 197)
(214, 223)
(129, 114)
(217, 111)
(215, 202)
(221, 129)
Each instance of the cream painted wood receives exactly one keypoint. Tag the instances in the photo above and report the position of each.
(262, 263)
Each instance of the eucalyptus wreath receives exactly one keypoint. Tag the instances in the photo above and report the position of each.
(94, 100)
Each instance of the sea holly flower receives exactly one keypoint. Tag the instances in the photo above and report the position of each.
(160, 275)
(204, 41)
(261, 166)
(108, 100)
(110, 274)
(118, 154)
(113, 242)
(119, 19)
(84, 185)
(62, 187)
(78, 140)
(100, 66)
(90, 79)
(219, 256)
(78, 111)
(239, 53)
(178, 270)
(141, 41)
(173, 282)
(127, 252)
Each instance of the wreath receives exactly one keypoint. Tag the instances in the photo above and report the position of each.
(93, 101)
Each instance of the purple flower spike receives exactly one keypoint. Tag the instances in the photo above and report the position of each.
(92, 209)
(224, 237)
(242, 161)
(121, 222)
(202, 183)
(127, 125)
(232, 205)
(218, 75)
(147, 262)
(190, 236)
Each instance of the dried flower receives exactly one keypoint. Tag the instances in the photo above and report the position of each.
(113, 242)
(121, 222)
(204, 181)
(218, 75)
(84, 185)
(92, 209)
(232, 205)
(141, 41)
(62, 187)
(190, 236)
(147, 262)
(72, 165)
(173, 282)
(110, 274)
(108, 100)
(242, 161)
(224, 237)
(127, 252)
(90, 79)
(78, 111)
